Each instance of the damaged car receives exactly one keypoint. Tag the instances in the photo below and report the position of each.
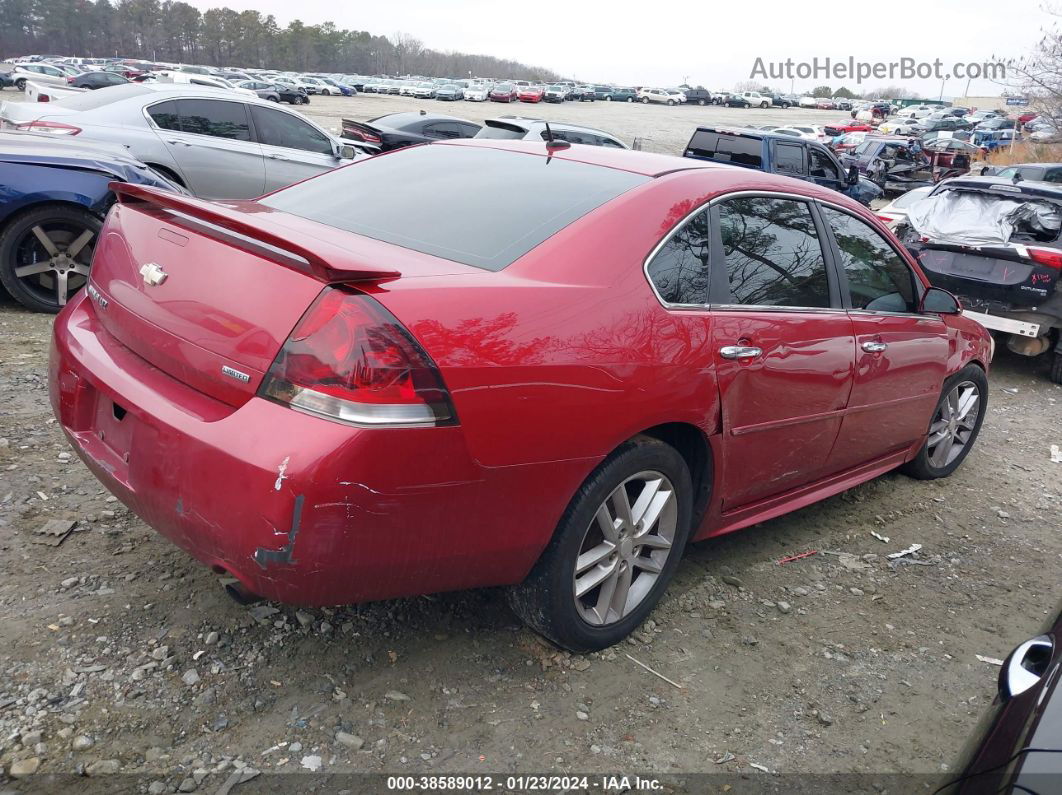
(994, 242)
(899, 164)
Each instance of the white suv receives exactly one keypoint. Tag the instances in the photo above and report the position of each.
(647, 95)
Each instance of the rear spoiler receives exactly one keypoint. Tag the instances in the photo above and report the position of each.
(244, 231)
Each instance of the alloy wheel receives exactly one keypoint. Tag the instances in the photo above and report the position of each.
(625, 548)
(954, 424)
(52, 259)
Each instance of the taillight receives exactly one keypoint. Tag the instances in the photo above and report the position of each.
(43, 98)
(885, 219)
(51, 127)
(349, 359)
(1051, 257)
(70, 79)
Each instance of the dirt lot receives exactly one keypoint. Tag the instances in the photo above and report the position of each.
(120, 653)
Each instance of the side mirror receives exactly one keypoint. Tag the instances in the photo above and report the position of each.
(853, 175)
(346, 152)
(939, 302)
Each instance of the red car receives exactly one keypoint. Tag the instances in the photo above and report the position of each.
(847, 126)
(503, 92)
(531, 94)
(826, 104)
(552, 375)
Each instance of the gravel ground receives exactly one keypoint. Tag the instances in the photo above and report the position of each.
(122, 654)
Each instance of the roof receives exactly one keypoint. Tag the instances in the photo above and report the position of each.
(647, 164)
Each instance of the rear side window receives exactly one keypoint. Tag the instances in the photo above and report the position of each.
(165, 115)
(277, 128)
(878, 280)
(789, 159)
(773, 253)
(504, 133)
(216, 118)
(702, 144)
(679, 270)
(413, 199)
(740, 150)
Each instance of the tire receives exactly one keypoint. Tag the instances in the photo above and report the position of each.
(645, 100)
(942, 458)
(608, 98)
(299, 99)
(63, 225)
(273, 99)
(547, 599)
(630, 99)
(670, 102)
(763, 105)
(1056, 369)
(20, 84)
(700, 102)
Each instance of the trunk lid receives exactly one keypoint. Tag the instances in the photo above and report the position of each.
(209, 292)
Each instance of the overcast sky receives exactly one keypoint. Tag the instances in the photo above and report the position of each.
(714, 44)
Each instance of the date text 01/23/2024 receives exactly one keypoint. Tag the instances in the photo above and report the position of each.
(525, 783)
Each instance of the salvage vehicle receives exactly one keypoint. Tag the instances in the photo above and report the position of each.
(94, 80)
(897, 163)
(995, 243)
(396, 130)
(1038, 172)
(893, 213)
(504, 92)
(945, 123)
(1015, 747)
(748, 99)
(585, 94)
(780, 154)
(516, 128)
(845, 126)
(531, 94)
(215, 143)
(265, 90)
(55, 197)
(389, 335)
(907, 127)
(39, 73)
(694, 96)
(288, 93)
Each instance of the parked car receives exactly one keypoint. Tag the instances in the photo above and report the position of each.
(201, 138)
(996, 123)
(94, 80)
(268, 90)
(293, 95)
(900, 126)
(55, 197)
(778, 101)
(1015, 747)
(845, 126)
(555, 93)
(296, 83)
(515, 128)
(780, 154)
(477, 93)
(893, 213)
(748, 99)
(697, 96)
(504, 92)
(584, 94)
(330, 87)
(530, 94)
(39, 73)
(396, 130)
(809, 132)
(602, 92)
(807, 102)
(622, 95)
(996, 244)
(941, 124)
(1037, 172)
(450, 92)
(541, 295)
(659, 96)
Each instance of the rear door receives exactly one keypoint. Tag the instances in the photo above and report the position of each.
(900, 355)
(293, 148)
(783, 346)
(212, 144)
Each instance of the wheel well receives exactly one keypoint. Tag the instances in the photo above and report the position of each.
(168, 173)
(691, 444)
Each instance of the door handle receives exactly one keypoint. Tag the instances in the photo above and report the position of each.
(874, 347)
(739, 352)
(176, 142)
(278, 157)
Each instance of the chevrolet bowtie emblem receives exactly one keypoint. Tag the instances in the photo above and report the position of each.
(153, 274)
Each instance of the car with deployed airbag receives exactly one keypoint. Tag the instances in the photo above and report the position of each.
(530, 364)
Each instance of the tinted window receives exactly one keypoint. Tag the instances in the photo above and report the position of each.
(820, 165)
(680, 268)
(443, 129)
(277, 128)
(740, 150)
(412, 198)
(789, 159)
(773, 255)
(703, 144)
(877, 278)
(215, 118)
(165, 115)
(511, 133)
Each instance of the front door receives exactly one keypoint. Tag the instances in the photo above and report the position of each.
(900, 354)
(783, 348)
(294, 149)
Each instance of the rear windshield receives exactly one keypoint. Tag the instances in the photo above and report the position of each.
(512, 133)
(480, 207)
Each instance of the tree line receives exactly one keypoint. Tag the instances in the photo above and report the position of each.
(176, 32)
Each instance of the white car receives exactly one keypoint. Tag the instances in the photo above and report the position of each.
(808, 102)
(196, 79)
(659, 95)
(678, 95)
(423, 90)
(809, 132)
(895, 212)
(476, 93)
(898, 127)
(42, 73)
(294, 83)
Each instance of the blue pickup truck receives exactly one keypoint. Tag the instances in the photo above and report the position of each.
(780, 154)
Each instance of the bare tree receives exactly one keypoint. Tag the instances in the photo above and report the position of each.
(1038, 75)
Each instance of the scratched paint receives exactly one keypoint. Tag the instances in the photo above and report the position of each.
(280, 473)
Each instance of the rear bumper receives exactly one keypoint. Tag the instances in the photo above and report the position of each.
(299, 509)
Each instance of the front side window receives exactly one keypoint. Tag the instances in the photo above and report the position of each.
(217, 119)
(679, 270)
(878, 280)
(821, 166)
(277, 128)
(773, 254)
(789, 159)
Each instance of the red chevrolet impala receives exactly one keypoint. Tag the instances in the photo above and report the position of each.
(504, 363)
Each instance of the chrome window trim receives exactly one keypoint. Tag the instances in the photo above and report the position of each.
(731, 307)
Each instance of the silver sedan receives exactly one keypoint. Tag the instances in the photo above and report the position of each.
(217, 144)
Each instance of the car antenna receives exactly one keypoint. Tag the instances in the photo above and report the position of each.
(554, 143)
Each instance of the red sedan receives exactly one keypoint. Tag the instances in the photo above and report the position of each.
(848, 126)
(552, 375)
(531, 94)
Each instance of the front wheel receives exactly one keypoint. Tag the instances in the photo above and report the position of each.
(645, 100)
(608, 98)
(614, 551)
(671, 102)
(955, 425)
(20, 84)
(700, 101)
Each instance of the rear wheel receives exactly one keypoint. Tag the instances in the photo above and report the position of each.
(20, 84)
(608, 98)
(671, 102)
(630, 99)
(645, 100)
(955, 425)
(273, 99)
(700, 102)
(45, 255)
(614, 551)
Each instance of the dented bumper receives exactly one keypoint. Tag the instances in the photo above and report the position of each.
(299, 509)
